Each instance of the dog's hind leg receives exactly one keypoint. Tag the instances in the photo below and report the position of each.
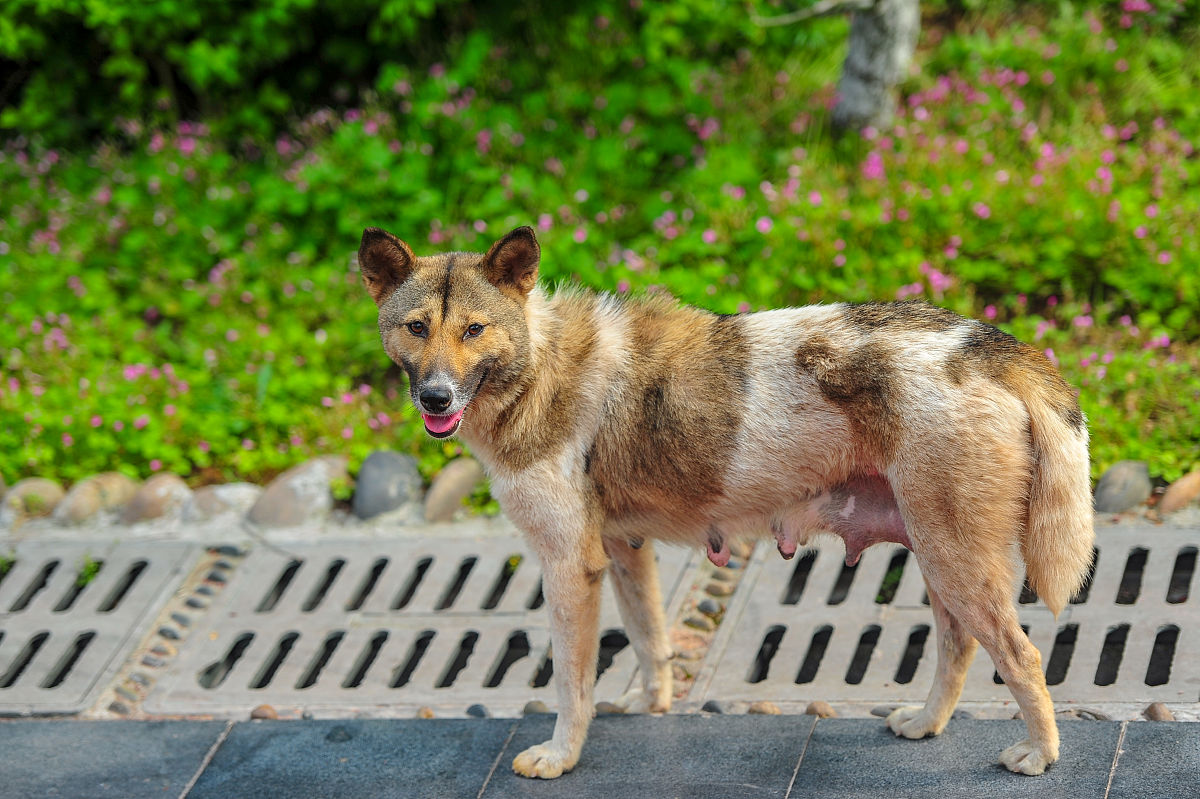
(955, 650)
(572, 574)
(634, 574)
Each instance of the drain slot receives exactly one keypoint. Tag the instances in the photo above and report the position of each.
(318, 594)
(1159, 670)
(541, 677)
(507, 570)
(611, 643)
(215, 674)
(912, 654)
(842, 587)
(318, 664)
(23, 660)
(460, 579)
(1081, 596)
(1181, 576)
(516, 648)
(1131, 578)
(35, 587)
(68, 660)
(414, 581)
(272, 597)
(366, 659)
(762, 661)
(891, 578)
(465, 647)
(267, 673)
(1060, 655)
(1111, 654)
(368, 584)
(538, 599)
(862, 656)
(123, 587)
(415, 653)
(799, 578)
(816, 652)
(86, 575)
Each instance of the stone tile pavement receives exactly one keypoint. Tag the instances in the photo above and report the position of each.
(627, 757)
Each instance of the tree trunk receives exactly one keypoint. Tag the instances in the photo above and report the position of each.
(882, 40)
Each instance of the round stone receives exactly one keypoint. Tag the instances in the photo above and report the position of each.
(163, 495)
(820, 709)
(264, 712)
(1125, 485)
(1181, 493)
(713, 706)
(709, 607)
(424, 712)
(453, 484)
(534, 707)
(764, 708)
(301, 494)
(386, 481)
(717, 588)
(33, 496)
(211, 501)
(700, 623)
(609, 709)
(883, 711)
(1157, 711)
(477, 711)
(94, 494)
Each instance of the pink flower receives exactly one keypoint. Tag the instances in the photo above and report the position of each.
(981, 210)
(1083, 320)
(347, 432)
(814, 197)
(203, 446)
(67, 440)
(1164, 257)
(709, 236)
(764, 225)
(364, 389)
(247, 444)
(872, 167)
(580, 235)
(141, 422)
(96, 421)
(118, 425)
(839, 259)
(990, 312)
(327, 402)
(347, 398)
(622, 286)
(1051, 356)
(155, 465)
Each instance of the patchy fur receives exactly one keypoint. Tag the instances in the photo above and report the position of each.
(608, 424)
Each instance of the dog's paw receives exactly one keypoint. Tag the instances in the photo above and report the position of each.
(913, 722)
(1027, 757)
(638, 700)
(545, 761)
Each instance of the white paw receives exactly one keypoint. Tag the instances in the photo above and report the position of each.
(913, 722)
(1027, 757)
(544, 760)
(638, 700)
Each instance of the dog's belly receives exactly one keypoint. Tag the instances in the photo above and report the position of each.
(862, 511)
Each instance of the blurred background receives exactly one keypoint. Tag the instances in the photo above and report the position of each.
(183, 186)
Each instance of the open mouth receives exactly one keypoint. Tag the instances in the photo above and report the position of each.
(441, 426)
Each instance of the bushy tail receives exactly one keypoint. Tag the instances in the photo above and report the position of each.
(1057, 546)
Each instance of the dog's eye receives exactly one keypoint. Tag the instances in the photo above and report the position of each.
(416, 328)
(473, 330)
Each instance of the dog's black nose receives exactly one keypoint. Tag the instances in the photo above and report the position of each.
(436, 399)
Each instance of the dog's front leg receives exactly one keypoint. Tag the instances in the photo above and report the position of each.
(572, 573)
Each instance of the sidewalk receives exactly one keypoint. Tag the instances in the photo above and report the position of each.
(626, 757)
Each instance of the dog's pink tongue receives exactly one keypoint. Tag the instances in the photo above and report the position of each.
(440, 424)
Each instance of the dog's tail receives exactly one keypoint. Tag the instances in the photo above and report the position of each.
(1057, 545)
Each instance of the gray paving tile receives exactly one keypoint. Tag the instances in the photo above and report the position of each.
(861, 757)
(1159, 760)
(691, 757)
(85, 759)
(364, 759)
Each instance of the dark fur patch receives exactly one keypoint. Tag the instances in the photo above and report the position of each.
(664, 446)
(907, 315)
(1020, 368)
(862, 383)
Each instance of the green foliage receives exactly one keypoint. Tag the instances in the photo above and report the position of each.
(6, 564)
(177, 297)
(88, 570)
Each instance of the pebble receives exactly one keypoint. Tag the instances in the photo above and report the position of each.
(120, 708)
(125, 693)
(138, 678)
(609, 709)
(883, 711)
(1158, 712)
(194, 602)
(713, 706)
(734, 563)
(534, 707)
(33, 496)
(163, 650)
(1181, 493)
(264, 712)
(205, 590)
(210, 501)
(741, 549)
(478, 711)
(230, 551)
(724, 575)
(764, 708)
(454, 483)
(163, 495)
(960, 715)
(386, 481)
(216, 577)
(700, 623)
(709, 607)
(338, 735)
(302, 493)
(94, 494)
(1125, 485)
(1084, 713)
(820, 709)
(170, 633)
(716, 588)
(181, 620)
(424, 712)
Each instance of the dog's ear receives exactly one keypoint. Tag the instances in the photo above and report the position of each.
(385, 262)
(513, 261)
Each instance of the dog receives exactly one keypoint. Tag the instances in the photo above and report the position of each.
(606, 424)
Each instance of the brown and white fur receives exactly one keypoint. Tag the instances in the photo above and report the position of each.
(607, 424)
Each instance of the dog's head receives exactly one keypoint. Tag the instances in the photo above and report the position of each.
(455, 321)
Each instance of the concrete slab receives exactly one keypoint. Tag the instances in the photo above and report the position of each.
(84, 759)
(1158, 761)
(697, 757)
(435, 758)
(860, 757)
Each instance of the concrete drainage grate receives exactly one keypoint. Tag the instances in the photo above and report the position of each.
(813, 629)
(382, 628)
(70, 614)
